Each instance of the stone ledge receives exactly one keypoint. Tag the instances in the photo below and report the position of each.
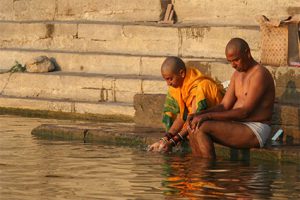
(129, 135)
(49, 108)
(148, 112)
(79, 86)
(64, 115)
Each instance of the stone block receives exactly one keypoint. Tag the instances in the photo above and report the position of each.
(124, 96)
(233, 11)
(288, 77)
(128, 39)
(150, 40)
(38, 36)
(76, 62)
(85, 88)
(4, 81)
(107, 92)
(106, 10)
(111, 64)
(34, 104)
(287, 115)
(22, 31)
(89, 9)
(127, 84)
(221, 71)
(54, 86)
(218, 70)
(102, 32)
(288, 95)
(104, 108)
(73, 86)
(210, 42)
(67, 106)
(34, 10)
(62, 30)
(148, 110)
(154, 86)
(6, 10)
(126, 88)
(151, 65)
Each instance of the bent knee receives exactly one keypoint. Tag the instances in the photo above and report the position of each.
(206, 126)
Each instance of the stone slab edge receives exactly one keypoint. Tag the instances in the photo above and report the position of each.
(64, 115)
(136, 138)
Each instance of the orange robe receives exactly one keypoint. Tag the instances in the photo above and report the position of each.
(207, 92)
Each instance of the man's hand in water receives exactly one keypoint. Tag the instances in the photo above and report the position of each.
(157, 146)
(160, 146)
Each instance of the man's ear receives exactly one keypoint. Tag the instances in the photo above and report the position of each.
(182, 73)
(247, 51)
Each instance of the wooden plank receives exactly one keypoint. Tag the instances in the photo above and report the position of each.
(168, 11)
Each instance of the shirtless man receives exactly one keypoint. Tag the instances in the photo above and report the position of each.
(242, 119)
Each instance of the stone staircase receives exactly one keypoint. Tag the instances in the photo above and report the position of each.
(109, 51)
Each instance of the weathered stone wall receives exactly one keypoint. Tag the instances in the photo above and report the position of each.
(233, 11)
(123, 37)
(126, 39)
(103, 10)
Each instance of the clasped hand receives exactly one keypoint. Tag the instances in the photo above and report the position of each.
(195, 120)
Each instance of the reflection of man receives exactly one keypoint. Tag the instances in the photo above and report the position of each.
(189, 92)
(242, 119)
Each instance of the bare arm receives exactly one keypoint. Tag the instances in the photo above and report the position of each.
(176, 126)
(255, 92)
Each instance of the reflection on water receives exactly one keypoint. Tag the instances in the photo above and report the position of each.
(39, 169)
(194, 178)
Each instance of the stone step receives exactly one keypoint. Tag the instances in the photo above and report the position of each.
(104, 10)
(79, 86)
(287, 78)
(77, 107)
(147, 39)
(100, 63)
(233, 11)
(141, 137)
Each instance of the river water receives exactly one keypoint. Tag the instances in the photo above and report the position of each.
(32, 168)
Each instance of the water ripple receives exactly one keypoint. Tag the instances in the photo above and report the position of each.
(41, 169)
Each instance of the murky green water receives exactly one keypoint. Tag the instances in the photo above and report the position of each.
(31, 168)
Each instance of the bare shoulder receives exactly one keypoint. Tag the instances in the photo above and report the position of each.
(262, 72)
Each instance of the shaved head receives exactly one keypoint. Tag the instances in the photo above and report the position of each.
(173, 71)
(172, 64)
(238, 54)
(237, 45)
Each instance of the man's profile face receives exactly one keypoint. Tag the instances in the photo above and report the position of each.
(237, 60)
(173, 79)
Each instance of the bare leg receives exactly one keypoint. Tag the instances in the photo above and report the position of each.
(231, 134)
(194, 144)
(202, 144)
